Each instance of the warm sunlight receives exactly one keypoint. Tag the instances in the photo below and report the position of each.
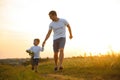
(95, 26)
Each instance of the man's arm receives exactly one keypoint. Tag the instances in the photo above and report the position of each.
(47, 36)
(70, 32)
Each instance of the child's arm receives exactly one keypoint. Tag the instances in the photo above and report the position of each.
(42, 49)
(30, 51)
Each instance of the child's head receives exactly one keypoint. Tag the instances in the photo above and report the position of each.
(36, 41)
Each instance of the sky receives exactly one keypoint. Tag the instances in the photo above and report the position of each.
(94, 23)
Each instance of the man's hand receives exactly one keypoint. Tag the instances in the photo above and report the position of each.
(70, 36)
(43, 44)
(70, 32)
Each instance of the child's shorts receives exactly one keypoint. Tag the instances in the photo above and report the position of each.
(35, 61)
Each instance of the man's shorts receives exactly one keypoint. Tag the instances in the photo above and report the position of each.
(58, 43)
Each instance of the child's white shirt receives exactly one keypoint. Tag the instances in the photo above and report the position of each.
(36, 50)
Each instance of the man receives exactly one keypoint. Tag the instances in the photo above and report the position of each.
(58, 26)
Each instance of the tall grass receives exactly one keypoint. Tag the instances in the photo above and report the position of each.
(76, 68)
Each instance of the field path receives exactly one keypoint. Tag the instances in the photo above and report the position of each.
(60, 77)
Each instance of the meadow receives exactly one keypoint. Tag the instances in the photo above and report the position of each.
(76, 68)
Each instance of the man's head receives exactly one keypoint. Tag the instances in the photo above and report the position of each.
(36, 41)
(53, 15)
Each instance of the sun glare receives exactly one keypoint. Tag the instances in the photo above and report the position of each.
(95, 28)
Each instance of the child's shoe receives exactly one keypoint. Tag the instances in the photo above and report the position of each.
(56, 68)
(32, 68)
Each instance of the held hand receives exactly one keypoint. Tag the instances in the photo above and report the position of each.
(70, 36)
(43, 44)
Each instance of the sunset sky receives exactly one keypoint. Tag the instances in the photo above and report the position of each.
(95, 26)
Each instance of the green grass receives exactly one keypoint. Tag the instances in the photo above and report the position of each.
(77, 68)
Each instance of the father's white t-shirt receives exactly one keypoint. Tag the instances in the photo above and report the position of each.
(36, 50)
(59, 28)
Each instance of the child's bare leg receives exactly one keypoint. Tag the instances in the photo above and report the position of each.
(35, 68)
(32, 63)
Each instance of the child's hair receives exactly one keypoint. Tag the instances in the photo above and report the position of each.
(37, 39)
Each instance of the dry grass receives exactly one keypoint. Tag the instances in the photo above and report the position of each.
(77, 68)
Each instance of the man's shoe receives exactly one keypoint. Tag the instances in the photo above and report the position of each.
(61, 68)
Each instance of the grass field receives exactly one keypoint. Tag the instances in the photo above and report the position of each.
(76, 68)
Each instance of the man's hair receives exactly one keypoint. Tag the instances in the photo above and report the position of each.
(52, 13)
(37, 39)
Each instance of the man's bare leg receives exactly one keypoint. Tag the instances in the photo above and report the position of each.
(56, 59)
(61, 57)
